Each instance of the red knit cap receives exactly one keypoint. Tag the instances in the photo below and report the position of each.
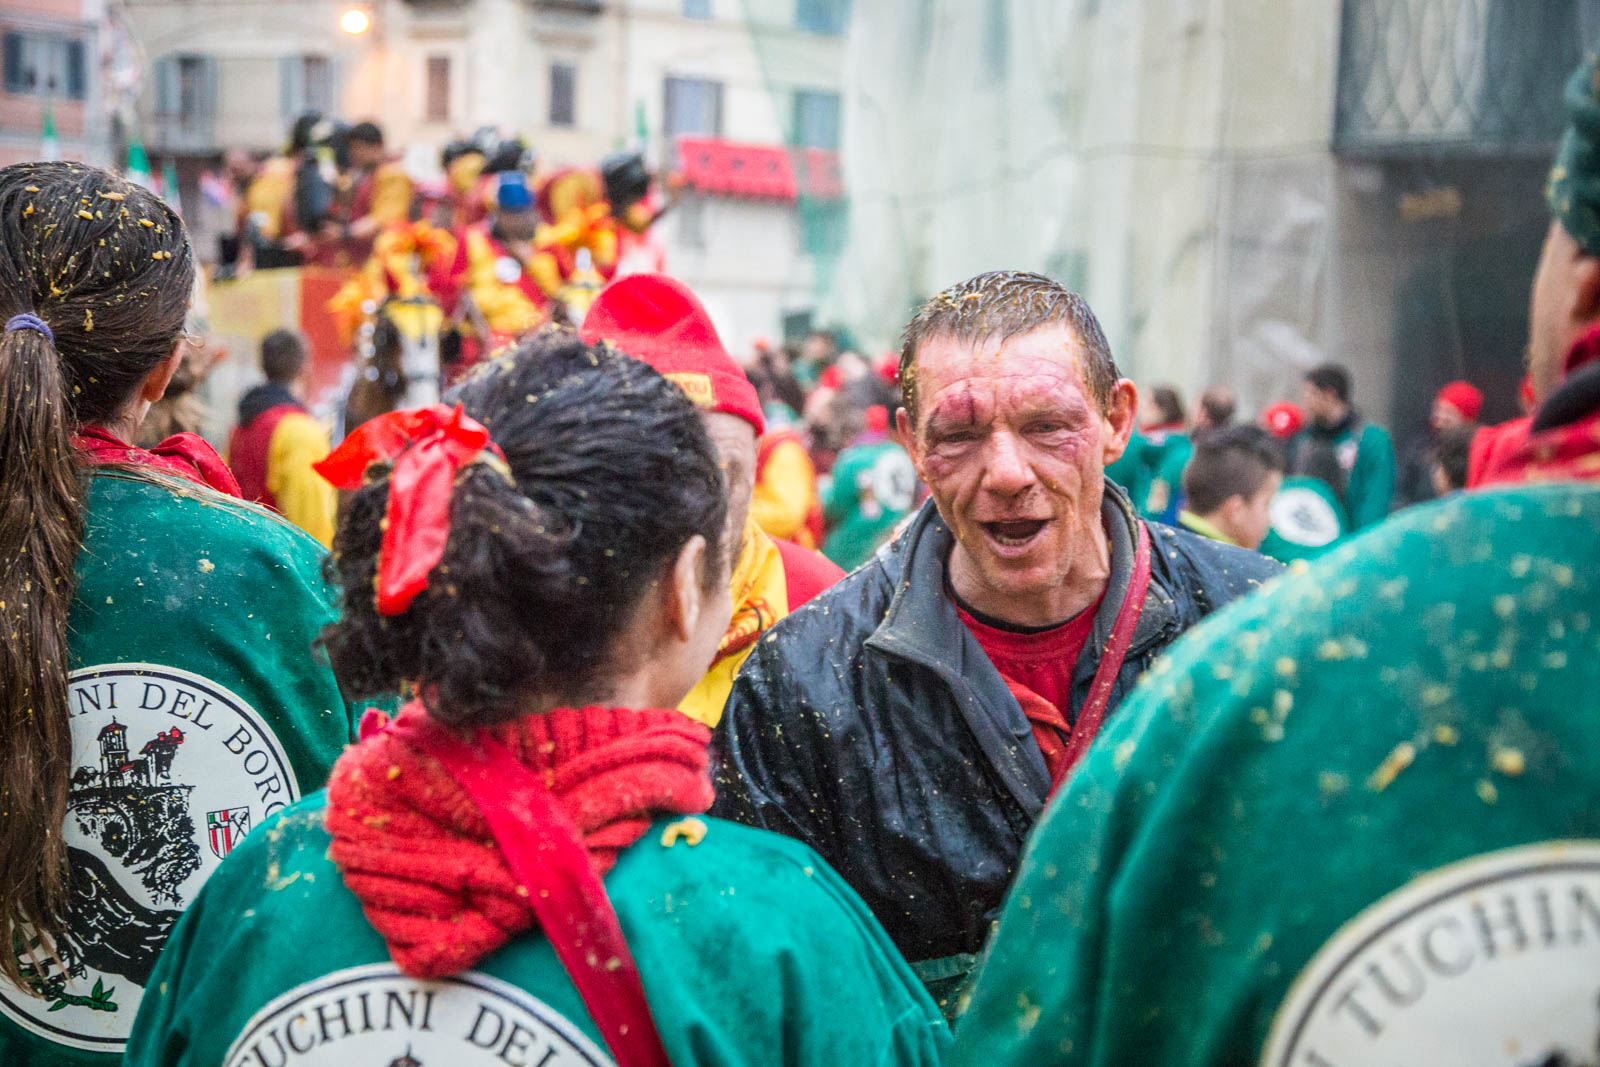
(1283, 420)
(1464, 397)
(657, 320)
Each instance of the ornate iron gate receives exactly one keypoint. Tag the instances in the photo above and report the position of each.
(1456, 76)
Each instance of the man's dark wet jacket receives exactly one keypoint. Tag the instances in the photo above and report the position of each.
(872, 726)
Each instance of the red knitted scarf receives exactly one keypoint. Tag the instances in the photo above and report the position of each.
(419, 855)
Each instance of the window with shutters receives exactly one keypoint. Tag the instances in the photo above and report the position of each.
(693, 106)
(438, 103)
(185, 87)
(185, 100)
(306, 84)
(41, 64)
(822, 16)
(816, 119)
(563, 94)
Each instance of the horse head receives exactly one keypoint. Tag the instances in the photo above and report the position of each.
(406, 346)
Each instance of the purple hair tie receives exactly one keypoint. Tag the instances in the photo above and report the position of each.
(29, 321)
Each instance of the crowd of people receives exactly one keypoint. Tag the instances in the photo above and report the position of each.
(641, 704)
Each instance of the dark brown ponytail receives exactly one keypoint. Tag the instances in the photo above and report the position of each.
(105, 268)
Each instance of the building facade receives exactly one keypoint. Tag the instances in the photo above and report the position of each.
(1241, 188)
(52, 80)
(758, 79)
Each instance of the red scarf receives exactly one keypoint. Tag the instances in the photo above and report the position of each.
(187, 455)
(1569, 453)
(420, 856)
(1562, 440)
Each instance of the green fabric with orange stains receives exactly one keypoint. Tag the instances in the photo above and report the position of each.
(751, 951)
(1255, 793)
(194, 613)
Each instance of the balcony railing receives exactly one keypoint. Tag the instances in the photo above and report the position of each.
(1456, 76)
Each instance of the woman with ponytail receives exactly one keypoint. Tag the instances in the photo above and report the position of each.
(158, 694)
(516, 870)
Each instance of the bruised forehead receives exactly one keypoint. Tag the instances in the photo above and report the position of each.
(1001, 305)
(1043, 367)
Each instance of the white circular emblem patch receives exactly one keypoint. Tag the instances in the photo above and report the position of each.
(507, 271)
(376, 1015)
(1491, 961)
(1303, 517)
(169, 772)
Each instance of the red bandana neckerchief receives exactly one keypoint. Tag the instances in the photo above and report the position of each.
(187, 455)
(1562, 442)
(420, 855)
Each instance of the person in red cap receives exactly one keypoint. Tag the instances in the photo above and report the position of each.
(657, 319)
(1307, 517)
(1283, 420)
(1455, 408)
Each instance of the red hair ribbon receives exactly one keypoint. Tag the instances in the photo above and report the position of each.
(429, 446)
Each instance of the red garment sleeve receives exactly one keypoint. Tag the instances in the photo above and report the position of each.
(805, 573)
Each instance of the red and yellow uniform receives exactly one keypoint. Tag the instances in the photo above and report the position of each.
(785, 503)
(267, 198)
(500, 284)
(271, 454)
(576, 216)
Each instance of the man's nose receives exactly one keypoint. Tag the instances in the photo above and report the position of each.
(1006, 470)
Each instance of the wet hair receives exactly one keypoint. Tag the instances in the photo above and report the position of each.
(1453, 452)
(283, 356)
(611, 473)
(1233, 461)
(107, 266)
(1168, 404)
(1331, 378)
(1219, 405)
(1000, 305)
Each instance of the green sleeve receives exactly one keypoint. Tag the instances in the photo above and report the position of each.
(1372, 481)
(824, 986)
(1171, 472)
(160, 1036)
(841, 498)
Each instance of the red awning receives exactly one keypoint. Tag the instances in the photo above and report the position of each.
(712, 165)
(822, 176)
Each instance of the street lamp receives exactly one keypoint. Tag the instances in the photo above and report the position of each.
(355, 21)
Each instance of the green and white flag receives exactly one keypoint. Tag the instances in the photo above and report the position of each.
(49, 143)
(138, 168)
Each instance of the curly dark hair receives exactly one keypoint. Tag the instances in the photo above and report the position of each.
(611, 474)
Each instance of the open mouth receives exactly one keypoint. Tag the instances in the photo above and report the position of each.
(1014, 533)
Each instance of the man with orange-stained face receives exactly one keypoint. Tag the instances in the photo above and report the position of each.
(912, 721)
(1012, 442)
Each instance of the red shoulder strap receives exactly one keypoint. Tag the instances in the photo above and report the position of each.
(1093, 712)
(543, 849)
